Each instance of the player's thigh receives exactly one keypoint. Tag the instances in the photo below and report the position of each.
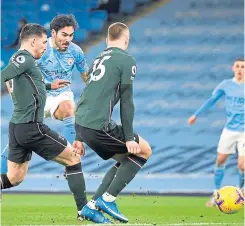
(64, 105)
(227, 143)
(39, 138)
(17, 171)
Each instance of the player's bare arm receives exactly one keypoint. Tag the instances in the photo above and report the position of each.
(59, 83)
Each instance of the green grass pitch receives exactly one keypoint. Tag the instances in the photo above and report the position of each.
(54, 209)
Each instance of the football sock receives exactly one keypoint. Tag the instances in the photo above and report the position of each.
(219, 175)
(4, 160)
(106, 181)
(240, 178)
(108, 198)
(5, 183)
(129, 167)
(69, 128)
(77, 184)
(91, 204)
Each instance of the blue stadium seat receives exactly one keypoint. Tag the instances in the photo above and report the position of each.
(127, 6)
(99, 14)
(143, 1)
(81, 35)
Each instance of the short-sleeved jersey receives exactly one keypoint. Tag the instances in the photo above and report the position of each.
(234, 103)
(110, 79)
(55, 64)
(28, 88)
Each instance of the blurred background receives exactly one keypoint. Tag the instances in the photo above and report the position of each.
(183, 50)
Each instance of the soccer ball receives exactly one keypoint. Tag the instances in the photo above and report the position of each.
(229, 199)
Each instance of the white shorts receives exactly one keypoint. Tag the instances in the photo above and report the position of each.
(230, 141)
(53, 102)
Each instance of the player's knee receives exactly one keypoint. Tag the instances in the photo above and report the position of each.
(220, 162)
(146, 151)
(15, 179)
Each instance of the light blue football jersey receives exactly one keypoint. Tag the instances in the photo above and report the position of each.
(234, 103)
(59, 65)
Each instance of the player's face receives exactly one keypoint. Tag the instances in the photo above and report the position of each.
(238, 69)
(40, 45)
(63, 37)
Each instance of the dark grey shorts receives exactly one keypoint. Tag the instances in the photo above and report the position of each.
(105, 144)
(26, 138)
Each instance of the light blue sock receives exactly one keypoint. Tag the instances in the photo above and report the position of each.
(219, 175)
(240, 178)
(69, 128)
(4, 160)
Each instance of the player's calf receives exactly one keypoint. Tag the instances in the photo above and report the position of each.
(16, 174)
(74, 175)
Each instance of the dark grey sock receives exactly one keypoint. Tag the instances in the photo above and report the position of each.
(5, 183)
(129, 167)
(77, 184)
(106, 181)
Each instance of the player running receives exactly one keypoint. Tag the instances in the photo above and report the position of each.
(57, 65)
(232, 137)
(27, 132)
(111, 80)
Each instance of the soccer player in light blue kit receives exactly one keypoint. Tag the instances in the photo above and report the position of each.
(56, 65)
(58, 62)
(232, 137)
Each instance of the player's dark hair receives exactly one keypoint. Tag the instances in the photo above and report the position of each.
(115, 30)
(32, 30)
(62, 21)
(239, 59)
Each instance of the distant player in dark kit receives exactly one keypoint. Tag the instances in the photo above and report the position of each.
(27, 132)
(110, 80)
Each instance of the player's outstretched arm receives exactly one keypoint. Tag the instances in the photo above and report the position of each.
(59, 83)
(207, 105)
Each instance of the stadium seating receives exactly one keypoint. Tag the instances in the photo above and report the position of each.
(183, 50)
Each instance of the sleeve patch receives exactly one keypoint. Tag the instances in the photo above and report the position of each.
(134, 69)
(20, 59)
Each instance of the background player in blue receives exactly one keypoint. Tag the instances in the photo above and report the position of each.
(232, 137)
(58, 62)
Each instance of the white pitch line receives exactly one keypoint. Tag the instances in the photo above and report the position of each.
(166, 224)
